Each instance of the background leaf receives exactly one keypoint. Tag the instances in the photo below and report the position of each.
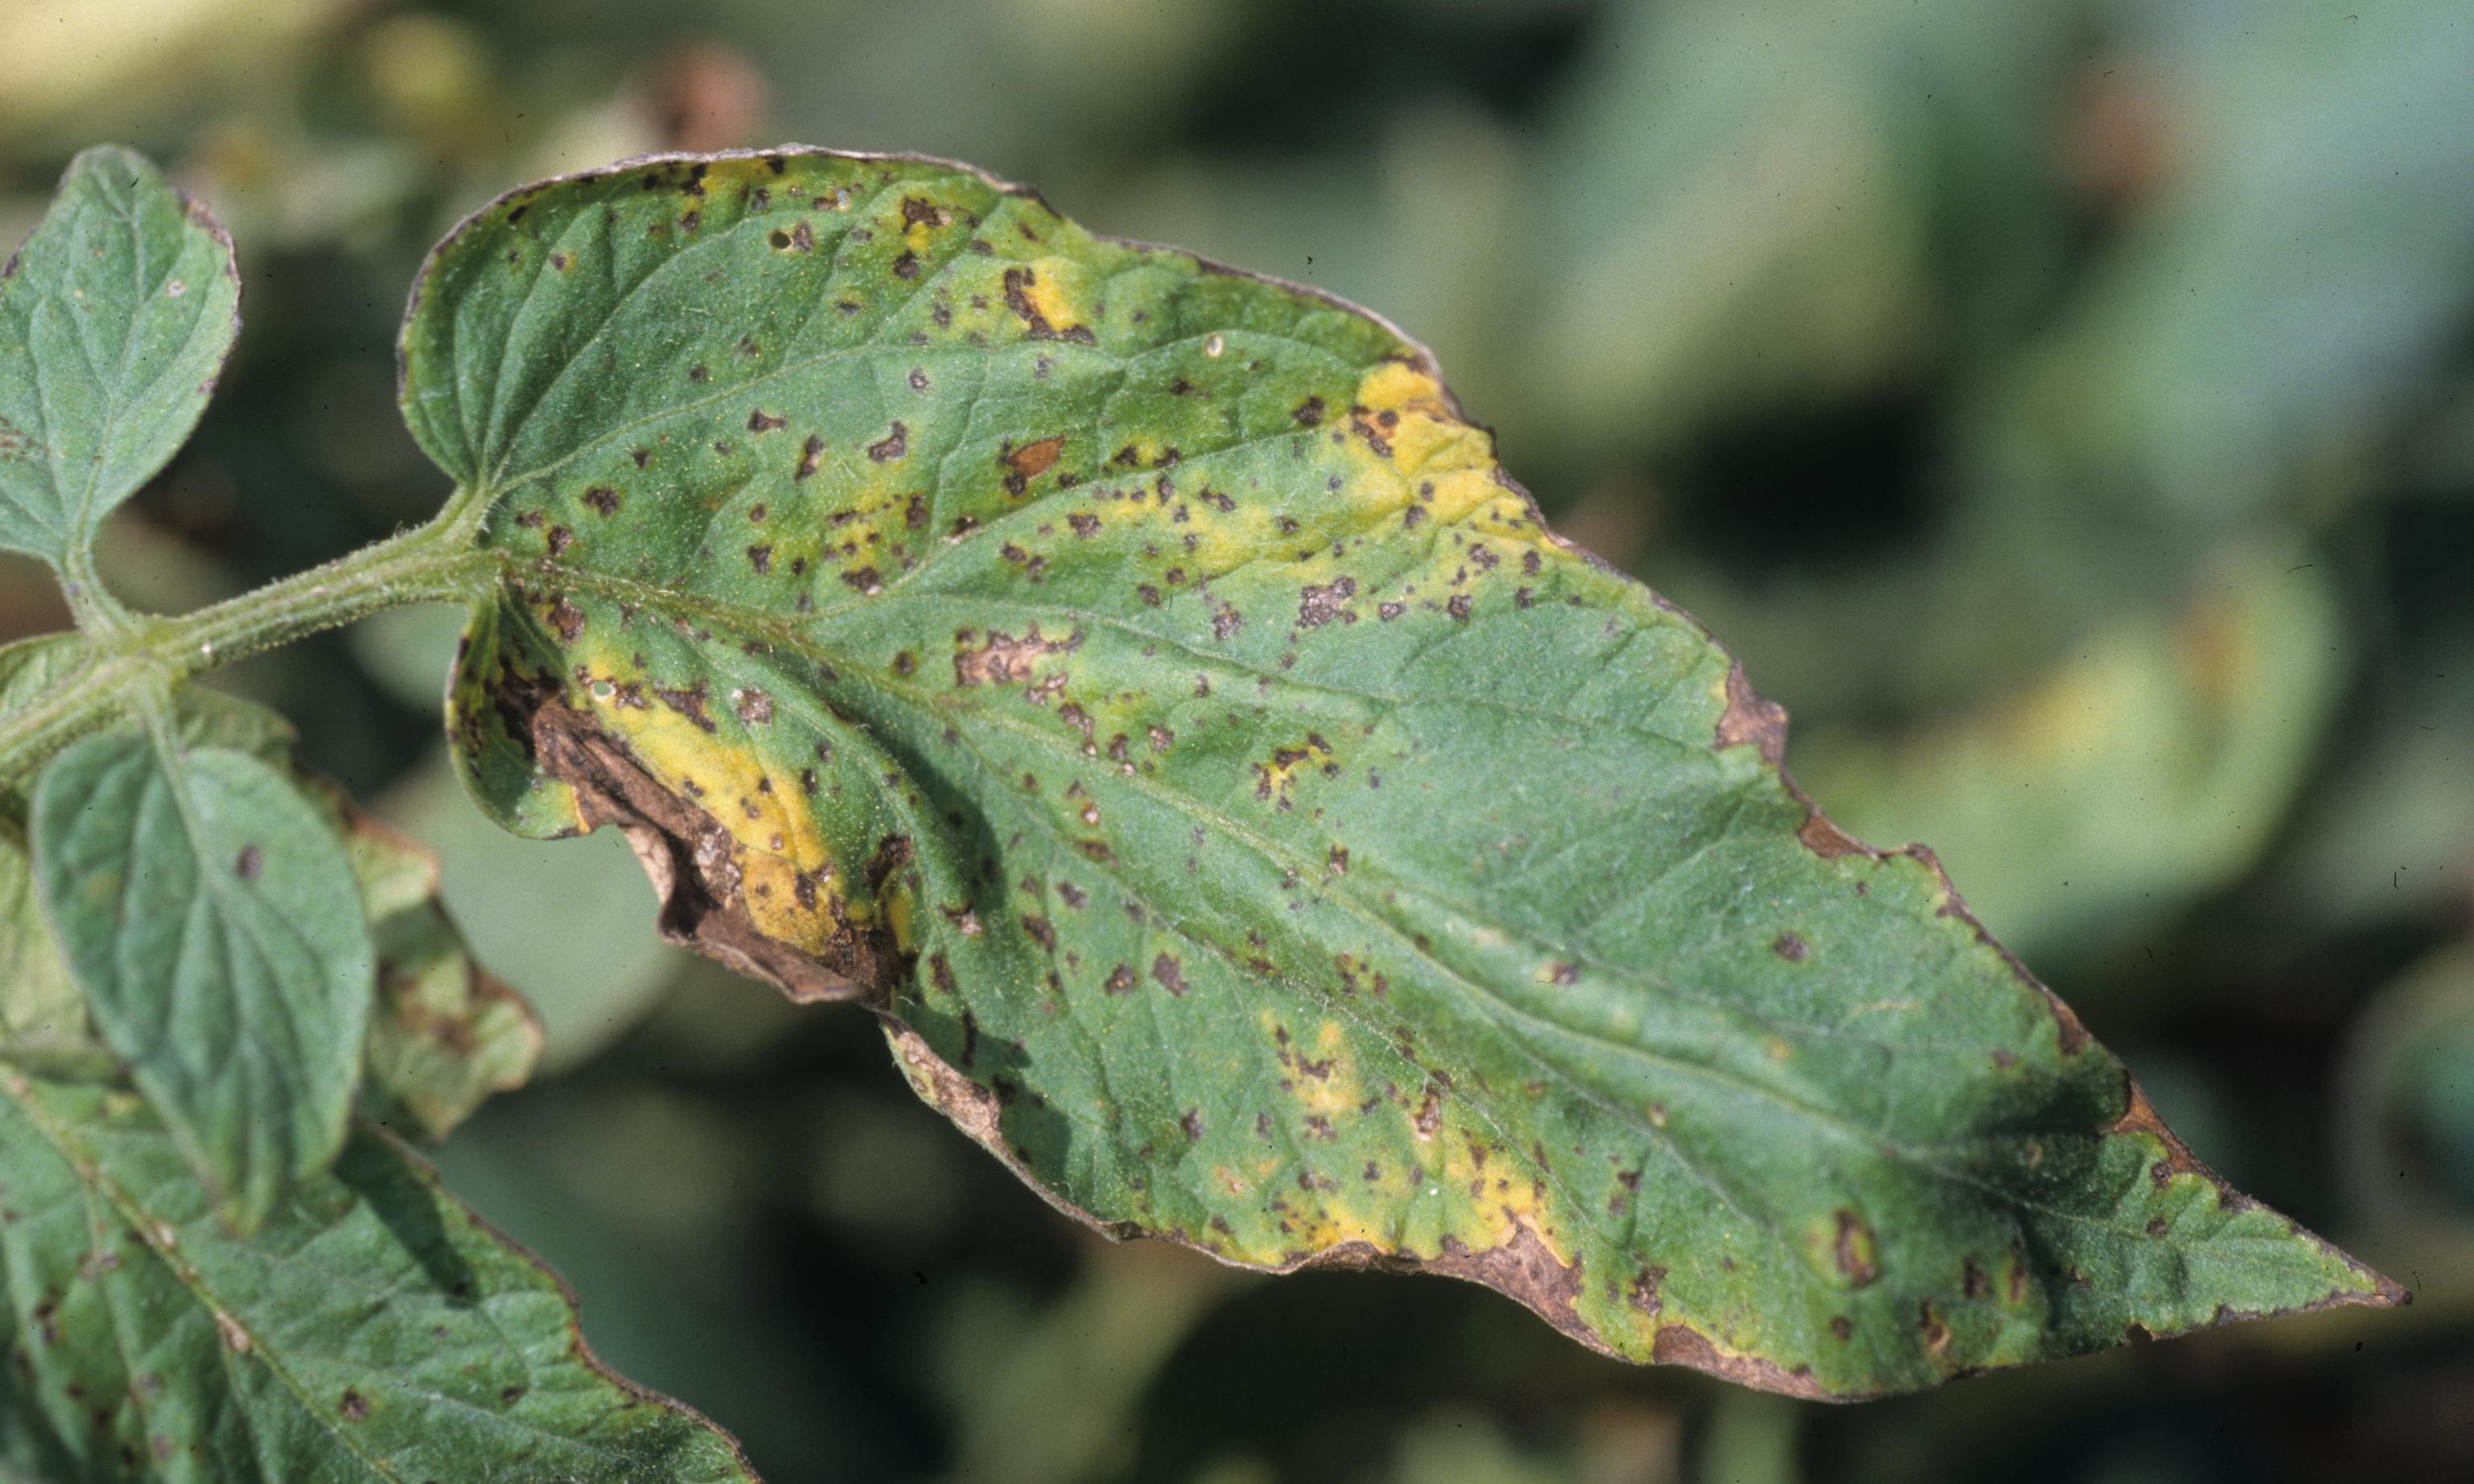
(218, 933)
(375, 1328)
(499, 888)
(2174, 731)
(115, 317)
(446, 1035)
(1140, 681)
(40, 1006)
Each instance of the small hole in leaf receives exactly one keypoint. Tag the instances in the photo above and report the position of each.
(779, 239)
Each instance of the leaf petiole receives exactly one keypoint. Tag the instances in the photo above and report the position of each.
(143, 653)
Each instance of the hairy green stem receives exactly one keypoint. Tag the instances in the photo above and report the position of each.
(90, 603)
(140, 653)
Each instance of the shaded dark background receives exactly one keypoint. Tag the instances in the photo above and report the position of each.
(2066, 409)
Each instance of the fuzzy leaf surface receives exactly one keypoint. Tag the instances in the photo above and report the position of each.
(216, 929)
(1140, 684)
(115, 317)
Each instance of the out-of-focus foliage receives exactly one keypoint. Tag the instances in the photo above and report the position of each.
(1956, 362)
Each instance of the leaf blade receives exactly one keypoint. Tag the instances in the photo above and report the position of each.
(1141, 683)
(115, 316)
(427, 1346)
(218, 934)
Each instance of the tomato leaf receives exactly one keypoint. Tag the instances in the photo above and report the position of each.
(115, 317)
(375, 1328)
(446, 1035)
(1138, 682)
(216, 929)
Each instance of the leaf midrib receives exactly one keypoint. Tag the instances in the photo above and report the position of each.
(88, 1172)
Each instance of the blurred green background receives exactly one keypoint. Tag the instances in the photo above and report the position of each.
(2066, 409)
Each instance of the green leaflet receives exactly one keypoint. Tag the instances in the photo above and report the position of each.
(41, 1012)
(1138, 682)
(445, 1034)
(218, 933)
(115, 317)
(375, 1330)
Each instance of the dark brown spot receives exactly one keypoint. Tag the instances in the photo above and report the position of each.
(891, 446)
(1017, 297)
(1319, 606)
(1170, 973)
(689, 704)
(249, 863)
